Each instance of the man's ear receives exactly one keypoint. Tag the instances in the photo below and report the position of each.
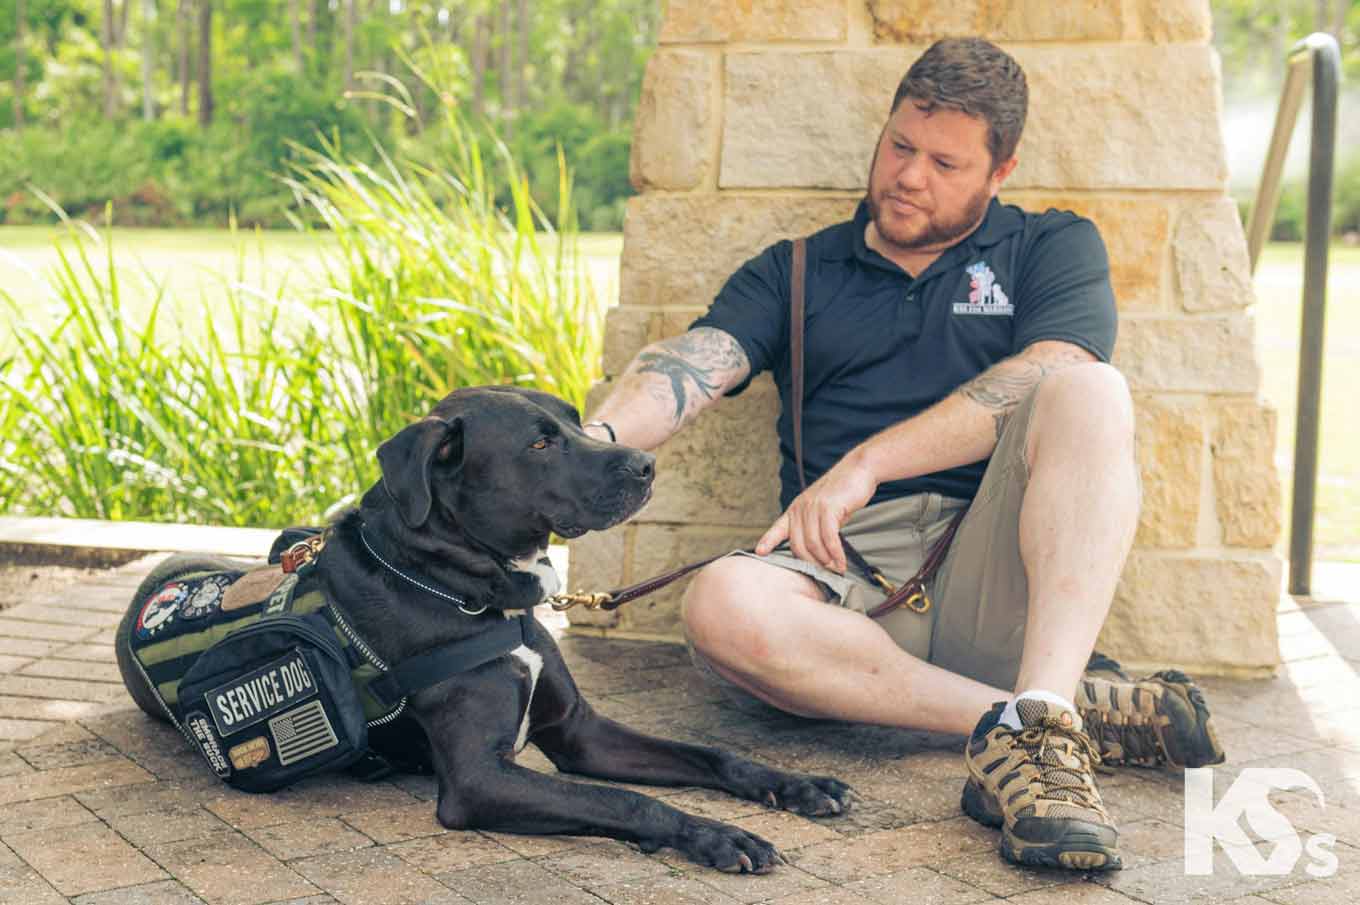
(1001, 173)
(408, 462)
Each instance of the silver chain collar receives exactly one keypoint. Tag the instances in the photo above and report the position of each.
(451, 598)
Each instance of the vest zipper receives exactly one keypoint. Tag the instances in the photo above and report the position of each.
(368, 654)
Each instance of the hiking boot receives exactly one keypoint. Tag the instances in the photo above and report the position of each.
(1035, 783)
(1159, 720)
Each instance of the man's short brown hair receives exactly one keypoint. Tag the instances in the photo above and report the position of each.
(975, 77)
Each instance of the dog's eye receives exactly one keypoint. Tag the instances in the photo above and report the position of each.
(541, 443)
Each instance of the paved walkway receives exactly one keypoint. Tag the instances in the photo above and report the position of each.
(101, 805)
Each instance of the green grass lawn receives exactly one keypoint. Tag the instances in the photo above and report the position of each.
(192, 264)
(1279, 286)
(196, 263)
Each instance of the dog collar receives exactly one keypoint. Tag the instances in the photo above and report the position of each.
(460, 602)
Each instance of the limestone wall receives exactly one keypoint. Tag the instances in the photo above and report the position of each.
(757, 122)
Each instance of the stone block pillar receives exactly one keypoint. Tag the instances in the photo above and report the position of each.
(757, 122)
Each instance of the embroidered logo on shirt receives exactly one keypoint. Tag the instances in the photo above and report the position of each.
(985, 295)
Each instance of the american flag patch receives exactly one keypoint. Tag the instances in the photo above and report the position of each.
(302, 732)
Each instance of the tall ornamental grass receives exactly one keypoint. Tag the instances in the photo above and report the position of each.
(265, 408)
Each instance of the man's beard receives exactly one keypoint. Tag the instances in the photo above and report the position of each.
(936, 232)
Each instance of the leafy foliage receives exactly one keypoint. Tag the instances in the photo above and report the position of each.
(542, 73)
(1253, 36)
(272, 411)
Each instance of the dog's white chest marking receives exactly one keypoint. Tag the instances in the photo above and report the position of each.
(540, 566)
(535, 663)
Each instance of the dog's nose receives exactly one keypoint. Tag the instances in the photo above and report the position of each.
(640, 465)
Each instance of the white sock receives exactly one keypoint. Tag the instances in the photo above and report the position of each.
(1011, 717)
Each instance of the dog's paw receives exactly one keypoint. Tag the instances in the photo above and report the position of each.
(728, 848)
(811, 796)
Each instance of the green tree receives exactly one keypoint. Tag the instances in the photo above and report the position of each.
(1253, 36)
(20, 20)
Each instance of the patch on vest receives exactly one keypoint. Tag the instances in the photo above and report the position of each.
(201, 732)
(302, 732)
(258, 695)
(252, 588)
(159, 611)
(205, 598)
(249, 754)
(282, 595)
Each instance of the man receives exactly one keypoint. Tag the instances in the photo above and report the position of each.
(956, 356)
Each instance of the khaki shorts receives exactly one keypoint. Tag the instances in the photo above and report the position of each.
(976, 623)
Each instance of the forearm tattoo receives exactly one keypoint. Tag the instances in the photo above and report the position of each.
(1002, 386)
(702, 359)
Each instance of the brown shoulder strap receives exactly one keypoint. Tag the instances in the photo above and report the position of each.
(912, 594)
(796, 308)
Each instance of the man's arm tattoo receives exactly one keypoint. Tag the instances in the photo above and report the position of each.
(1002, 386)
(677, 369)
(702, 356)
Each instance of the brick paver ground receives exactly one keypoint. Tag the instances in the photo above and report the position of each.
(100, 805)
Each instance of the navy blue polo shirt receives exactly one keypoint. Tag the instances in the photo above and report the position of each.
(882, 346)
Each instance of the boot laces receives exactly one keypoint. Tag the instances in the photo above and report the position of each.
(1059, 780)
(1137, 738)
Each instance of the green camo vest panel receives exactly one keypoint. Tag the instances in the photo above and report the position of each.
(194, 610)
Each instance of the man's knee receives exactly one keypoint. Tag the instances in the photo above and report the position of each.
(712, 602)
(729, 607)
(1092, 398)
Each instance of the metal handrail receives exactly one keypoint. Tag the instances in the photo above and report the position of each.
(1324, 54)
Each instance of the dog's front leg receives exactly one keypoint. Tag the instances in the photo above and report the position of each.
(481, 788)
(593, 745)
(579, 740)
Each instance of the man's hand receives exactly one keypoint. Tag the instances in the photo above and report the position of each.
(813, 521)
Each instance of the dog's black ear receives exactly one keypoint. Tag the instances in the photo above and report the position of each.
(408, 461)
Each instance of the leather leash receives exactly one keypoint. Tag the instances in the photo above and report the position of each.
(912, 594)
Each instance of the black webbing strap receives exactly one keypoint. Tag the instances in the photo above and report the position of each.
(434, 666)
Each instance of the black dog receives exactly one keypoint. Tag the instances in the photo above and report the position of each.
(468, 498)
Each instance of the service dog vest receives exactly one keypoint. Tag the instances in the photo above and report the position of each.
(260, 673)
(269, 681)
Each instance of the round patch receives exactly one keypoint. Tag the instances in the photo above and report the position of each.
(204, 599)
(159, 611)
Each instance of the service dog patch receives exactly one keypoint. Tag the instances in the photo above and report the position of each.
(258, 695)
(200, 730)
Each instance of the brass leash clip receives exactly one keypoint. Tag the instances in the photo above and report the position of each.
(563, 602)
(917, 600)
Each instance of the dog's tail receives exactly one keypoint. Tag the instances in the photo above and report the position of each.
(179, 564)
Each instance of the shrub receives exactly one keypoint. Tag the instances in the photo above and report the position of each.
(271, 115)
(190, 174)
(1291, 214)
(275, 418)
